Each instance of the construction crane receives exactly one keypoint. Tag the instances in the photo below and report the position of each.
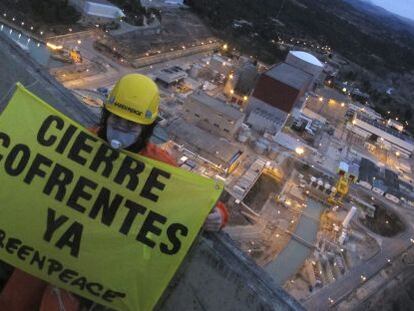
(346, 176)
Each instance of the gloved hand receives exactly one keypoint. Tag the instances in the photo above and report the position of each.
(214, 221)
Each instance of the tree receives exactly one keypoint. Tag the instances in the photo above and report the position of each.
(51, 11)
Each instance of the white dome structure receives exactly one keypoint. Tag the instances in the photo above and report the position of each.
(306, 62)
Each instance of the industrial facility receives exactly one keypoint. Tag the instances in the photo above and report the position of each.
(281, 89)
(386, 136)
(318, 185)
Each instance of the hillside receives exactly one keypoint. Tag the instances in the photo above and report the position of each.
(379, 45)
(356, 34)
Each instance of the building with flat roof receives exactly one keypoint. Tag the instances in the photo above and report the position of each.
(387, 137)
(220, 64)
(223, 155)
(384, 182)
(171, 75)
(212, 115)
(97, 11)
(277, 92)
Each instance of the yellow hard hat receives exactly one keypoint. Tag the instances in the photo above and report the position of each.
(135, 97)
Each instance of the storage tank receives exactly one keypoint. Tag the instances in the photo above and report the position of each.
(349, 216)
(310, 273)
(320, 184)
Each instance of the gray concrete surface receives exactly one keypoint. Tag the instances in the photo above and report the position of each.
(215, 275)
(218, 276)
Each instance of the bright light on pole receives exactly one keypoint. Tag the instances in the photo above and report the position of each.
(53, 46)
(299, 150)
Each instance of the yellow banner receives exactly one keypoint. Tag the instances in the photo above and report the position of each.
(107, 225)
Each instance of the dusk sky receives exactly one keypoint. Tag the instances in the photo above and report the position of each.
(401, 7)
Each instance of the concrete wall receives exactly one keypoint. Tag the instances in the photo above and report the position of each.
(137, 32)
(218, 276)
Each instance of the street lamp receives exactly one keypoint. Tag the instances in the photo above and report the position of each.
(299, 150)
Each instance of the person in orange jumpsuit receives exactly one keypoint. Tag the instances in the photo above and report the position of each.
(127, 122)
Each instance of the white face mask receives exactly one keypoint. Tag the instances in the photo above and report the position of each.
(122, 133)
